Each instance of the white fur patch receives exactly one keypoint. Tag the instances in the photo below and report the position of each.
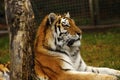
(65, 22)
(77, 43)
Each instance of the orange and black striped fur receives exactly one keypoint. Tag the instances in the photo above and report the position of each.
(57, 53)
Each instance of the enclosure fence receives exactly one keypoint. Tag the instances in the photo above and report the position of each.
(84, 12)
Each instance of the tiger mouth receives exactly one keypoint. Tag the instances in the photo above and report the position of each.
(71, 42)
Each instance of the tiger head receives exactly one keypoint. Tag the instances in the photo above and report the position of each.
(58, 32)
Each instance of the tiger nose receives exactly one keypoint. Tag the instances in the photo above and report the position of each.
(78, 34)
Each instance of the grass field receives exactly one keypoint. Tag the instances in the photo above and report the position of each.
(102, 48)
(4, 49)
(99, 48)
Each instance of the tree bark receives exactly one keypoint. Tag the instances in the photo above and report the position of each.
(20, 19)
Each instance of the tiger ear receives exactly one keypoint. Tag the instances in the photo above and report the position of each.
(51, 18)
(67, 15)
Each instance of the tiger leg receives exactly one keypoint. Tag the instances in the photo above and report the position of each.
(103, 71)
(74, 75)
(40, 75)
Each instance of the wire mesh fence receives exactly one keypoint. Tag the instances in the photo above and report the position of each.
(109, 11)
(84, 12)
(79, 9)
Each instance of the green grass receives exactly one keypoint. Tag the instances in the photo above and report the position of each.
(99, 48)
(102, 48)
(4, 49)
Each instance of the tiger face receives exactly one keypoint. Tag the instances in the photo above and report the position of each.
(65, 33)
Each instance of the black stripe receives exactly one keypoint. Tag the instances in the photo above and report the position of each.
(67, 69)
(55, 42)
(97, 71)
(63, 33)
(63, 52)
(59, 28)
(55, 28)
(50, 69)
(74, 54)
(59, 21)
(85, 69)
(80, 63)
(66, 61)
(45, 68)
(93, 71)
(37, 62)
(59, 39)
(60, 34)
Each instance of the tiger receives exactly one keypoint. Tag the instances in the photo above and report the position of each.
(57, 52)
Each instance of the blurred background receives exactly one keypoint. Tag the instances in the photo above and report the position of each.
(99, 20)
(84, 12)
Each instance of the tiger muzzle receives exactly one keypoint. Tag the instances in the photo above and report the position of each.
(71, 42)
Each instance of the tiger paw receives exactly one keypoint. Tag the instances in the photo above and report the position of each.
(115, 73)
(118, 74)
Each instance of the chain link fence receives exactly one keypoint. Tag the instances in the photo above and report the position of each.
(84, 12)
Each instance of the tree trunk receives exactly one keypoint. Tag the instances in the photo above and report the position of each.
(20, 19)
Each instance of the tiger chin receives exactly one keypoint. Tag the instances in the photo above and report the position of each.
(57, 52)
